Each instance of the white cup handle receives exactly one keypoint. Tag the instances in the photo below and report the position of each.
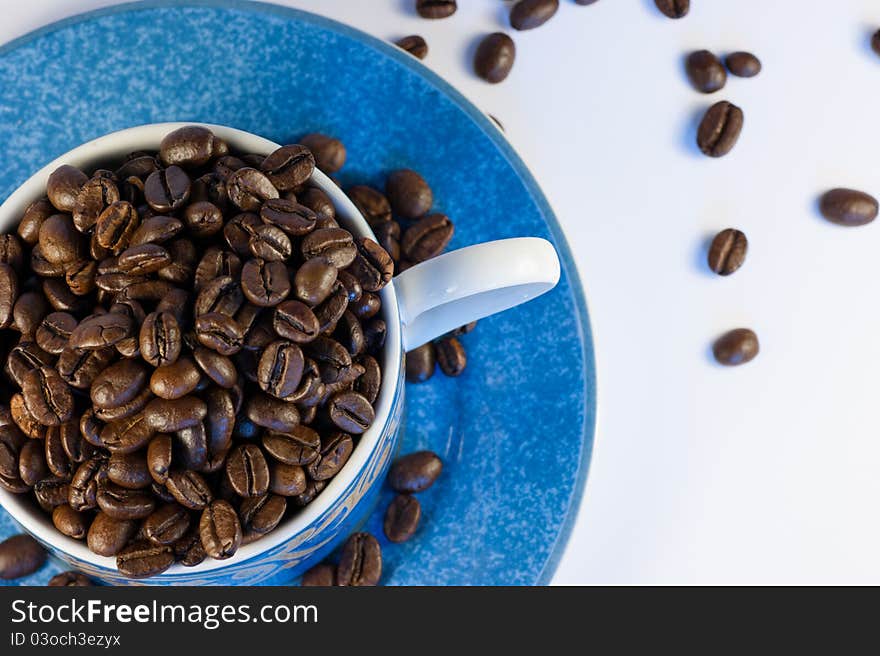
(456, 288)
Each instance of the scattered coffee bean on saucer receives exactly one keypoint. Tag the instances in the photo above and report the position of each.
(720, 129)
(529, 14)
(848, 207)
(494, 57)
(414, 45)
(875, 42)
(728, 251)
(736, 347)
(743, 64)
(436, 8)
(705, 71)
(673, 8)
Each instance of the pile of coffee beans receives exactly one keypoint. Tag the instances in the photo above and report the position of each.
(360, 560)
(193, 344)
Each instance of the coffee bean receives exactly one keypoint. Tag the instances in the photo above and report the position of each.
(80, 367)
(119, 383)
(190, 449)
(33, 217)
(167, 524)
(159, 453)
(116, 225)
(728, 251)
(371, 203)
(352, 286)
(415, 472)
(80, 276)
(63, 187)
(47, 396)
(848, 207)
(216, 263)
(160, 339)
(450, 356)
(238, 231)
(736, 347)
(70, 580)
(122, 503)
(331, 357)
(218, 368)
(374, 268)
(156, 230)
(167, 190)
(100, 331)
(247, 471)
(314, 280)
(705, 71)
(191, 146)
(248, 189)
(720, 129)
(189, 549)
(189, 489)
(175, 380)
(494, 57)
(271, 413)
(329, 153)
(143, 559)
(414, 45)
(56, 459)
(673, 8)
(51, 493)
(370, 382)
(320, 576)
(139, 165)
(420, 363)
(93, 198)
(295, 321)
(262, 514)
(127, 434)
(402, 518)
(335, 245)
(54, 331)
(286, 480)
(270, 243)
(143, 259)
(529, 14)
(351, 412)
(168, 416)
(222, 294)
(335, 451)
(20, 555)
(299, 447)
(331, 310)
(129, 470)
(265, 283)
(288, 167)
(28, 312)
(427, 237)
(60, 243)
(291, 217)
(280, 369)
(319, 202)
(436, 8)
(220, 530)
(108, 536)
(360, 563)
(313, 489)
(743, 64)
(70, 522)
(388, 237)
(31, 466)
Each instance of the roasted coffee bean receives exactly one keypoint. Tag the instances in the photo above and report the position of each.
(176, 303)
(299, 447)
(352, 286)
(122, 503)
(369, 384)
(291, 217)
(28, 313)
(175, 380)
(189, 549)
(63, 186)
(332, 309)
(31, 467)
(189, 489)
(56, 459)
(51, 493)
(169, 416)
(247, 471)
(143, 259)
(529, 14)
(11, 252)
(80, 367)
(720, 129)
(190, 147)
(220, 530)
(80, 276)
(70, 579)
(331, 357)
(728, 251)
(159, 454)
(58, 294)
(248, 189)
(219, 332)
(450, 356)
(280, 369)
(117, 282)
(167, 524)
(143, 559)
(875, 42)
(743, 64)
(227, 165)
(217, 367)
(23, 418)
(47, 396)
(335, 451)
(271, 413)
(238, 231)
(116, 225)
(60, 243)
(351, 412)
(322, 575)
(190, 449)
(262, 514)
(319, 202)
(210, 188)
(415, 472)
(313, 489)
(314, 280)
(203, 219)
(360, 563)
(93, 198)
(130, 409)
(673, 8)
(127, 434)
(736, 347)
(286, 480)
(414, 45)
(350, 334)
(29, 227)
(82, 493)
(156, 230)
(9, 289)
(149, 291)
(402, 518)
(222, 294)
(343, 383)
(420, 363)
(427, 237)
(108, 536)
(494, 57)
(705, 71)
(42, 267)
(371, 203)
(295, 321)
(140, 165)
(118, 384)
(366, 307)
(54, 331)
(20, 556)
(70, 522)
(289, 167)
(265, 283)
(329, 153)
(216, 263)
(129, 470)
(270, 243)
(160, 339)
(848, 207)
(436, 8)
(167, 190)
(374, 268)
(100, 331)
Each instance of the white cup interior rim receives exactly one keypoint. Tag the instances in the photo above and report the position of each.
(113, 147)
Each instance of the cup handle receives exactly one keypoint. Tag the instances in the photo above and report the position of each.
(456, 288)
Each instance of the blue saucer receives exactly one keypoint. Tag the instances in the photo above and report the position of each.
(516, 429)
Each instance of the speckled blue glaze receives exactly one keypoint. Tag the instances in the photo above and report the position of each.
(516, 430)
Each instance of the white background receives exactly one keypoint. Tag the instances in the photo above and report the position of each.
(766, 473)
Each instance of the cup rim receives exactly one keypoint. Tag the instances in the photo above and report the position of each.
(116, 145)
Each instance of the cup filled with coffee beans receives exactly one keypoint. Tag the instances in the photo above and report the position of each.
(203, 352)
